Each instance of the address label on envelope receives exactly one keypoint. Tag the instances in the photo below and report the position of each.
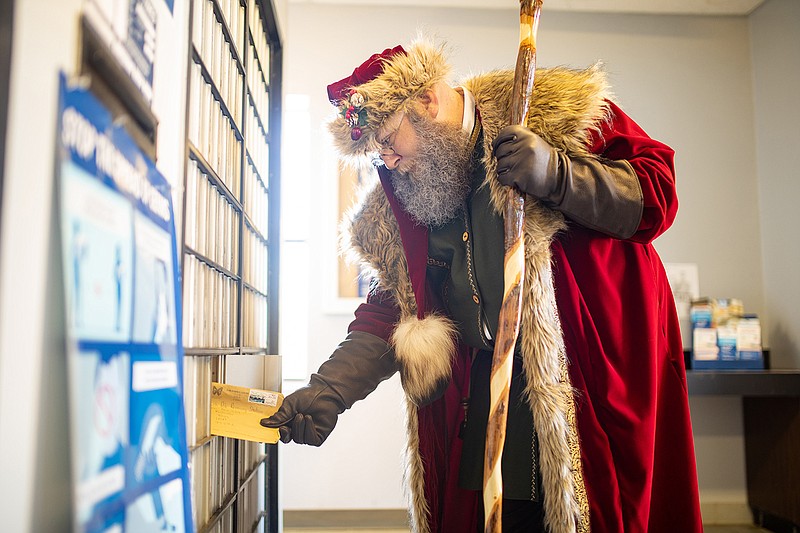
(236, 412)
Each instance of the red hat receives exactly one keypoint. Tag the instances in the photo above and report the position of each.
(367, 71)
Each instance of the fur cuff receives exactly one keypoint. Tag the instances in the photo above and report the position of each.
(425, 349)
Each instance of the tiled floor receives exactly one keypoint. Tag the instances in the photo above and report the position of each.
(389, 521)
(339, 530)
(734, 529)
(708, 529)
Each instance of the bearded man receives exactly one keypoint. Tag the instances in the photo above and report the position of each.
(599, 435)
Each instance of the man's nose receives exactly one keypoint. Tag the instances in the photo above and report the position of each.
(391, 161)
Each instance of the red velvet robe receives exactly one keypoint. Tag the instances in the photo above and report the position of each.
(623, 344)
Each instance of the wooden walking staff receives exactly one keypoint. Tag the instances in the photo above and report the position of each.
(513, 274)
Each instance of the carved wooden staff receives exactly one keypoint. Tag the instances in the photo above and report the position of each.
(513, 274)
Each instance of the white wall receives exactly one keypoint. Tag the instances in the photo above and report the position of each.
(33, 447)
(776, 75)
(687, 80)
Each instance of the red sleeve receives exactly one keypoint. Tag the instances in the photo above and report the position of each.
(653, 162)
(378, 315)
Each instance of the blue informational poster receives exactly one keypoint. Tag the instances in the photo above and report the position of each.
(129, 455)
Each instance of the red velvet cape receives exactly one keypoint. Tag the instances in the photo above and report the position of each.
(625, 357)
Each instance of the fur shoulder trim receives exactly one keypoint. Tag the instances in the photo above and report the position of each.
(369, 235)
(566, 104)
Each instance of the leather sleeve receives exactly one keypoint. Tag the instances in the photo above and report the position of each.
(652, 161)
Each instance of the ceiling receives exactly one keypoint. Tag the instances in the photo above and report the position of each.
(667, 7)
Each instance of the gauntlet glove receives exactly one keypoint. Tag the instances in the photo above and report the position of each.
(357, 366)
(602, 195)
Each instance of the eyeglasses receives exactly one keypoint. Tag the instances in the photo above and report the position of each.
(387, 144)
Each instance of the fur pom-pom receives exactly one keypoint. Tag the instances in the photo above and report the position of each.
(425, 349)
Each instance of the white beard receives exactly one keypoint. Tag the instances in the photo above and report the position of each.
(433, 190)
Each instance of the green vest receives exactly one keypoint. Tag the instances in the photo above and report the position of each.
(465, 265)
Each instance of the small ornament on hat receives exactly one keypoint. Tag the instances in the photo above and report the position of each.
(349, 100)
(355, 114)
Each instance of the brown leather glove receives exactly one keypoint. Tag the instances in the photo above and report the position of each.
(357, 366)
(602, 195)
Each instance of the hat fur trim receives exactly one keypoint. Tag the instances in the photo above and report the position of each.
(405, 76)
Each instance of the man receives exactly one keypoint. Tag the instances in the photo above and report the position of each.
(599, 435)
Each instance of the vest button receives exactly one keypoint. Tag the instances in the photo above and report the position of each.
(465, 236)
(476, 299)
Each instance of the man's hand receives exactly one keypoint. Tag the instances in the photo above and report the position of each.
(528, 162)
(308, 415)
(357, 366)
(599, 194)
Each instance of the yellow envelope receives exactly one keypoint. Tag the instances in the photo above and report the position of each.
(237, 412)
